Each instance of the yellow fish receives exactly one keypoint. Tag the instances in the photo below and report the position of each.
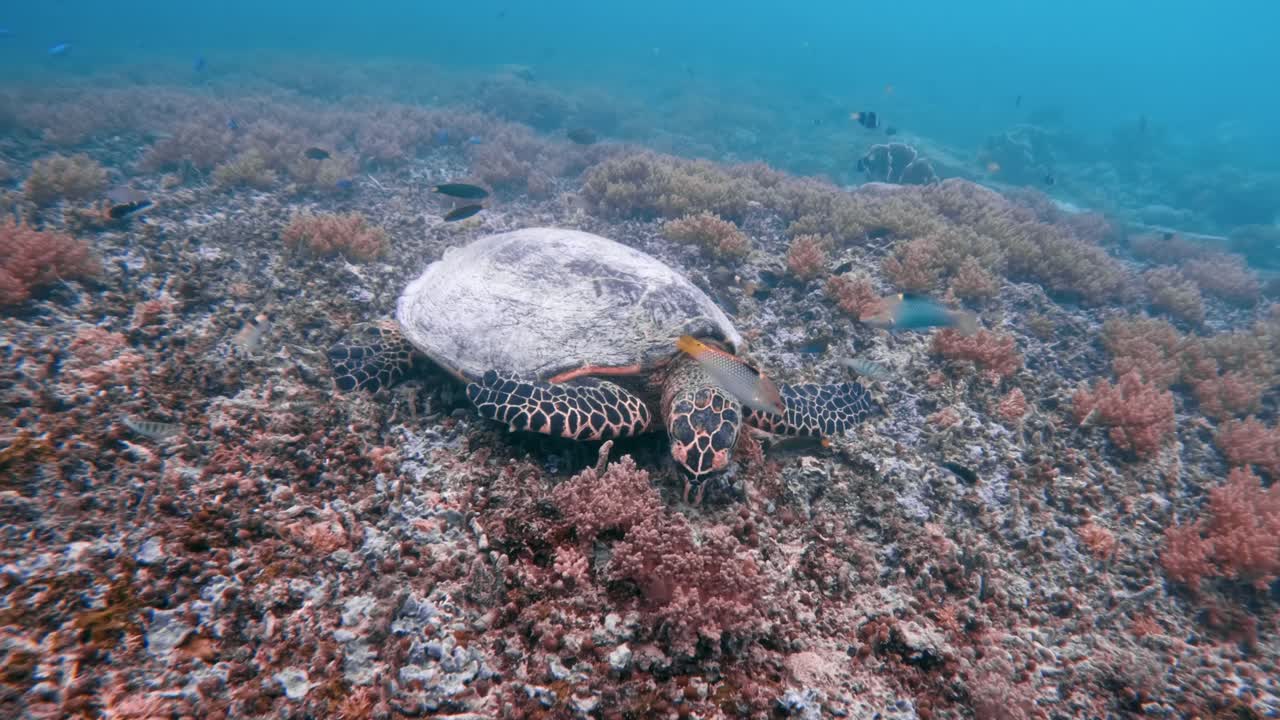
(738, 378)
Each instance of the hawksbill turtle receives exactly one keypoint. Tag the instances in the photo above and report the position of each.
(574, 335)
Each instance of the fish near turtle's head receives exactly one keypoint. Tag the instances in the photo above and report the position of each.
(702, 420)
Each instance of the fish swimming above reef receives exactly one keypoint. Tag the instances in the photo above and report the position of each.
(891, 130)
(739, 379)
(912, 312)
(582, 136)
(125, 202)
(462, 190)
(1049, 179)
(866, 119)
(60, 49)
(316, 153)
(151, 428)
(232, 125)
(866, 368)
(961, 471)
(199, 64)
(462, 213)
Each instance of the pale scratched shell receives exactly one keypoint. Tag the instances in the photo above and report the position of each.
(540, 301)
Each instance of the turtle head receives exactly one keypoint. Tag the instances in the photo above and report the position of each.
(702, 420)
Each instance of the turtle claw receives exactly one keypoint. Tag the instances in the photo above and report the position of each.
(598, 411)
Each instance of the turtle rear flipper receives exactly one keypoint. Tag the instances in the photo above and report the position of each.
(822, 410)
(597, 411)
(375, 357)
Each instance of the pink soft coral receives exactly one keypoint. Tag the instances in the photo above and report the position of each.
(1139, 415)
(1240, 539)
(30, 259)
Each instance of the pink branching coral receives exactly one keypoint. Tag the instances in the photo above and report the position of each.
(974, 282)
(990, 351)
(913, 265)
(1230, 394)
(716, 236)
(1240, 540)
(853, 294)
(1139, 414)
(349, 235)
(1013, 407)
(30, 259)
(807, 256)
(1249, 442)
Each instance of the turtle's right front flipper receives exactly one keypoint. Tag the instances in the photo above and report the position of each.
(579, 412)
(375, 357)
(822, 410)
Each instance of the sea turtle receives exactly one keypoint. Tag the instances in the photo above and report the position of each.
(574, 335)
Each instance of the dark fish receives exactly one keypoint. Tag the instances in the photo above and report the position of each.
(124, 210)
(232, 125)
(1049, 179)
(199, 64)
(582, 136)
(462, 190)
(316, 153)
(60, 49)
(345, 185)
(462, 213)
(891, 130)
(1018, 102)
(910, 312)
(475, 140)
(961, 472)
(125, 202)
(150, 428)
(866, 119)
(817, 121)
(441, 137)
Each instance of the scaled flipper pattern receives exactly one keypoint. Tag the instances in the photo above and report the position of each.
(597, 411)
(375, 357)
(822, 410)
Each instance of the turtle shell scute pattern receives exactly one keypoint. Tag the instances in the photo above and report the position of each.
(821, 410)
(579, 412)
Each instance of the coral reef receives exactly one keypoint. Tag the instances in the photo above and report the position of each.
(349, 235)
(1239, 540)
(714, 235)
(31, 259)
(897, 163)
(992, 352)
(854, 294)
(807, 256)
(1139, 416)
(1172, 292)
(59, 177)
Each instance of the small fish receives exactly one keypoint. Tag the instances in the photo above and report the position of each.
(345, 185)
(462, 213)
(316, 153)
(739, 379)
(891, 130)
(199, 64)
(232, 125)
(888, 89)
(462, 190)
(910, 312)
(582, 136)
(475, 140)
(249, 338)
(866, 368)
(1049, 179)
(126, 201)
(993, 167)
(961, 471)
(124, 210)
(150, 428)
(1018, 102)
(862, 164)
(866, 119)
(441, 137)
(60, 49)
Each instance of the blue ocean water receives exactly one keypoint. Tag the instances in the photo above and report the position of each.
(1197, 69)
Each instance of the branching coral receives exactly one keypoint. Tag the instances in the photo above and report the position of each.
(990, 351)
(807, 256)
(248, 169)
(913, 266)
(1225, 276)
(897, 163)
(30, 259)
(714, 235)
(651, 185)
(1138, 413)
(1173, 293)
(349, 235)
(1230, 394)
(854, 294)
(974, 282)
(58, 177)
(1250, 442)
(1239, 540)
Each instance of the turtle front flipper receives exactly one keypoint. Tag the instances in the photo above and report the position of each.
(596, 411)
(822, 410)
(375, 357)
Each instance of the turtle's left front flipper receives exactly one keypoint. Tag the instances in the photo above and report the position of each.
(581, 411)
(822, 410)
